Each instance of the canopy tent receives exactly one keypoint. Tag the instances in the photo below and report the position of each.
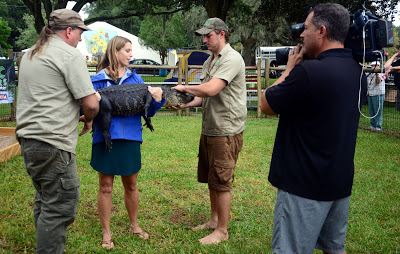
(94, 42)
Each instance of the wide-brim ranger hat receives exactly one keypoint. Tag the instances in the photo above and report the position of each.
(210, 25)
(64, 18)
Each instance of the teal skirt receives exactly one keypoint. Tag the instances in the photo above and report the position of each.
(123, 159)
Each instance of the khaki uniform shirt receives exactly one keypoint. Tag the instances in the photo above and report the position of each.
(225, 113)
(49, 88)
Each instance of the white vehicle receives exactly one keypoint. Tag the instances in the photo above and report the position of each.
(269, 52)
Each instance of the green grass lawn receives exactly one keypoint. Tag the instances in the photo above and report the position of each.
(171, 200)
(390, 118)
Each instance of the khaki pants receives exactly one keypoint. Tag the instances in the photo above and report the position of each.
(55, 178)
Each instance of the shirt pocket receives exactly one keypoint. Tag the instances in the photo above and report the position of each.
(213, 70)
(203, 76)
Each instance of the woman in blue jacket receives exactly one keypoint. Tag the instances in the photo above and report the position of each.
(124, 158)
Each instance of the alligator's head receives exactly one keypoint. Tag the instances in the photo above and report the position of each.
(174, 97)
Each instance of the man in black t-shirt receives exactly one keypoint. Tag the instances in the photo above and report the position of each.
(312, 163)
(390, 66)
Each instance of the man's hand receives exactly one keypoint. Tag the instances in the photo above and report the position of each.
(98, 96)
(179, 106)
(295, 56)
(388, 70)
(180, 88)
(156, 93)
(197, 102)
(87, 126)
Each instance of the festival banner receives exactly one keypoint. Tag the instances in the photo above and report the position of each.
(7, 81)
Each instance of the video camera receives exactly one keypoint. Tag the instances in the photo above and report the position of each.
(367, 37)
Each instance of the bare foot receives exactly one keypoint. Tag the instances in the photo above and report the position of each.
(107, 244)
(208, 225)
(214, 238)
(139, 232)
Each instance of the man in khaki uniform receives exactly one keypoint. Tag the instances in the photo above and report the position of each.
(222, 95)
(53, 82)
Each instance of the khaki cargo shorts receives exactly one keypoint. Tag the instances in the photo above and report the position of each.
(217, 160)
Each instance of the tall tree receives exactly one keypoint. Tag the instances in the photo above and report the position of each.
(5, 32)
(218, 8)
(193, 20)
(12, 12)
(258, 22)
(28, 35)
(245, 27)
(295, 11)
(124, 10)
(106, 10)
(119, 9)
(272, 11)
(35, 7)
(162, 34)
(243, 20)
(109, 8)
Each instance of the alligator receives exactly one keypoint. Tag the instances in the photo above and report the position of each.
(129, 99)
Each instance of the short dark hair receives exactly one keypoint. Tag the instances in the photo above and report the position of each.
(227, 34)
(335, 18)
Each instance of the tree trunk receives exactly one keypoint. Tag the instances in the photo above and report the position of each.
(163, 54)
(248, 50)
(218, 8)
(36, 9)
(79, 4)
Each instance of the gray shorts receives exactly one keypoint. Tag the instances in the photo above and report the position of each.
(302, 225)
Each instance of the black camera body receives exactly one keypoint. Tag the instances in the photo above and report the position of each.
(282, 55)
(366, 29)
(368, 35)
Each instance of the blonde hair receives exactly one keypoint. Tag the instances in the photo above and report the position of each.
(44, 37)
(110, 60)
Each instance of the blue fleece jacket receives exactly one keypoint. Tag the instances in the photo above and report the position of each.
(123, 127)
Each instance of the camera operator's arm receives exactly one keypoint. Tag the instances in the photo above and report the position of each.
(388, 65)
(295, 57)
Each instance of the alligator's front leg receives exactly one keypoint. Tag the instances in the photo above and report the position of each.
(149, 100)
(105, 121)
(148, 123)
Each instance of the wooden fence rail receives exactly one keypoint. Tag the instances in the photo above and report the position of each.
(255, 83)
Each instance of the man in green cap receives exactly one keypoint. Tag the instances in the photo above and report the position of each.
(222, 95)
(53, 82)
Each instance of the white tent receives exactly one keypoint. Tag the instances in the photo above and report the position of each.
(94, 42)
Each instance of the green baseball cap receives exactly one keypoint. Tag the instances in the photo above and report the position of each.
(63, 18)
(210, 25)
